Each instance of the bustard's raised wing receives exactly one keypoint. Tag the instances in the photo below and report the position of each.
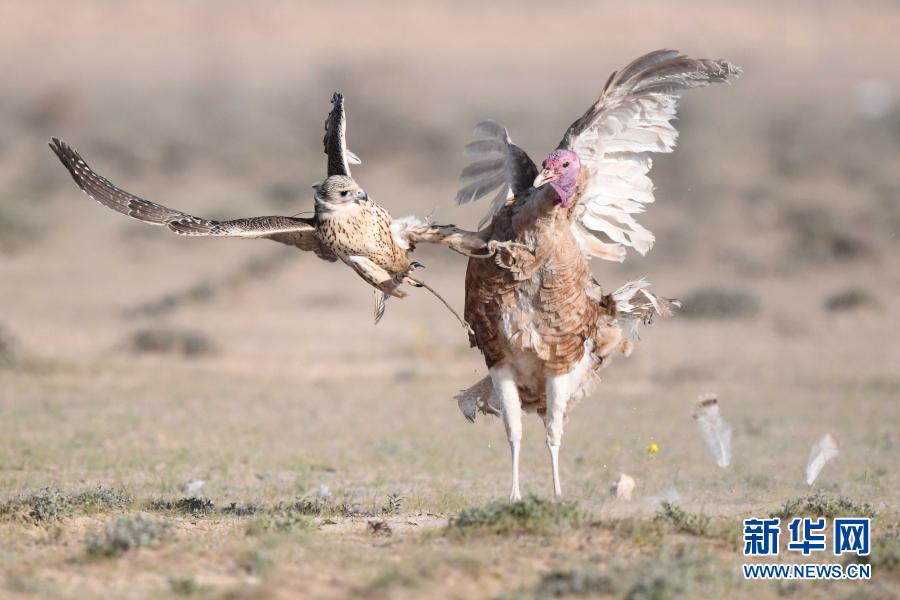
(498, 163)
(286, 230)
(614, 139)
(335, 141)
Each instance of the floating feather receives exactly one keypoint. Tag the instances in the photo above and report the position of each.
(821, 452)
(624, 487)
(194, 487)
(715, 430)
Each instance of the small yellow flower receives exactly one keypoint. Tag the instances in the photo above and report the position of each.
(653, 448)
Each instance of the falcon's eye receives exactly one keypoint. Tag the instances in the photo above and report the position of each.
(344, 193)
(566, 165)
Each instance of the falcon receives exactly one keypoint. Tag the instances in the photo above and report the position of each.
(543, 323)
(347, 225)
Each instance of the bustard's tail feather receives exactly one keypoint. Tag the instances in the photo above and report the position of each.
(477, 398)
(634, 304)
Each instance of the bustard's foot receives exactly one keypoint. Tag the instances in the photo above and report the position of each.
(495, 246)
(515, 495)
(503, 252)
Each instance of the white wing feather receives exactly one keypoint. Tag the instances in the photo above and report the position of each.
(631, 119)
(715, 430)
(821, 453)
(613, 140)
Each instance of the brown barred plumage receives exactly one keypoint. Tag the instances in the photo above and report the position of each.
(543, 324)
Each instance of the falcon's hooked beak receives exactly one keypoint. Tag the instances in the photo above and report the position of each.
(544, 177)
(361, 195)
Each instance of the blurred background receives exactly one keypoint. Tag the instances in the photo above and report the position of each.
(133, 355)
(786, 180)
(776, 218)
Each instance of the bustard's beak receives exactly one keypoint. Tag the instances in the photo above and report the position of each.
(544, 177)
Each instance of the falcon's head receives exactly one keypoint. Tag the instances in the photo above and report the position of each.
(339, 190)
(561, 170)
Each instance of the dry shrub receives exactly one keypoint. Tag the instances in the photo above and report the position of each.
(719, 303)
(851, 299)
(819, 238)
(161, 340)
(9, 349)
(127, 533)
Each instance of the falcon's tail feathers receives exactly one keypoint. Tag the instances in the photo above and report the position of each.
(380, 300)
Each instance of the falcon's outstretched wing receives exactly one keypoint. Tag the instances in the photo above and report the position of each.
(499, 163)
(614, 138)
(335, 141)
(287, 230)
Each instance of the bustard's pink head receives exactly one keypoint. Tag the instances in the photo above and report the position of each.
(561, 170)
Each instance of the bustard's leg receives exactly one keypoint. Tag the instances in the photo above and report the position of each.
(506, 391)
(558, 389)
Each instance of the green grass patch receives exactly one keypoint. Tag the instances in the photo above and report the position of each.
(51, 504)
(187, 587)
(279, 522)
(529, 515)
(682, 521)
(821, 504)
(127, 533)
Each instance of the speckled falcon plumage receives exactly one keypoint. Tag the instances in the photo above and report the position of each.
(543, 323)
(347, 225)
